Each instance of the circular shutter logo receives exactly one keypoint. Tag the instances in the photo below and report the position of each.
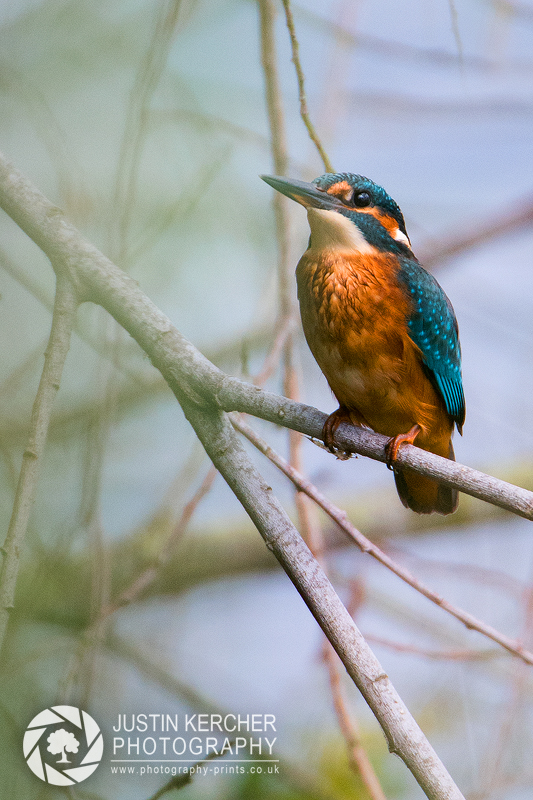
(63, 745)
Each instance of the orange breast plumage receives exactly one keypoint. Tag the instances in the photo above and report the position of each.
(354, 315)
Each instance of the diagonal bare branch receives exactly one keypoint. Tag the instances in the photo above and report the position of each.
(304, 112)
(518, 217)
(368, 547)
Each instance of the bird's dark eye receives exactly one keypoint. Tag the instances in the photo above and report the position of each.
(361, 199)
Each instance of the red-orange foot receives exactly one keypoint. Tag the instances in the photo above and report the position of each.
(331, 425)
(393, 445)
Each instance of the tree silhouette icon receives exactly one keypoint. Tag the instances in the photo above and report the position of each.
(61, 741)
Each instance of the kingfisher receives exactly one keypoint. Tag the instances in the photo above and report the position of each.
(380, 327)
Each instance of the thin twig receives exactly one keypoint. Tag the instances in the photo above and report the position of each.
(149, 575)
(435, 655)
(513, 711)
(520, 216)
(278, 147)
(371, 549)
(271, 361)
(304, 112)
(454, 17)
(65, 306)
(278, 138)
(357, 755)
(91, 519)
(29, 283)
(146, 82)
(466, 571)
(390, 49)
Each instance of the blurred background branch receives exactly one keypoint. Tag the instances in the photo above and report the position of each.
(65, 307)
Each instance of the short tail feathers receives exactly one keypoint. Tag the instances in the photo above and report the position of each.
(425, 495)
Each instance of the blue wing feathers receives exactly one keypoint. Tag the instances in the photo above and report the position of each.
(452, 392)
(433, 328)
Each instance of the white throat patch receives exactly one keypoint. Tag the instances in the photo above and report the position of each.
(333, 231)
(401, 237)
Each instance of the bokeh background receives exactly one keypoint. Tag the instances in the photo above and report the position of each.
(146, 122)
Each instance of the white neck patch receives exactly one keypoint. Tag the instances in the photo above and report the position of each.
(333, 231)
(401, 237)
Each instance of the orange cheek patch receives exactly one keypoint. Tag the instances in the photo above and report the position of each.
(388, 222)
(341, 189)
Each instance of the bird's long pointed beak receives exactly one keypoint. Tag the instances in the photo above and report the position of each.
(305, 193)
